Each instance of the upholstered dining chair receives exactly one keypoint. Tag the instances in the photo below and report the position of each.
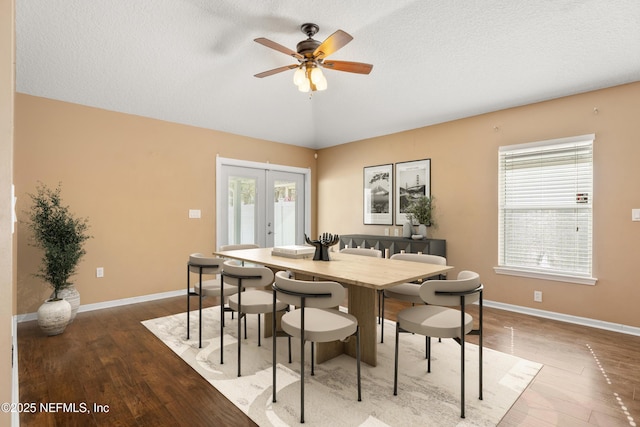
(248, 299)
(408, 292)
(205, 266)
(239, 246)
(376, 253)
(437, 319)
(314, 320)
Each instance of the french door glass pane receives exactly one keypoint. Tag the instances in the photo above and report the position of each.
(284, 212)
(242, 210)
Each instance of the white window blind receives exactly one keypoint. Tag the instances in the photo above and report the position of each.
(545, 203)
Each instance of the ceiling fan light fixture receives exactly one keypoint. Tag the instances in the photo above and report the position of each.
(299, 76)
(305, 86)
(322, 84)
(311, 55)
(316, 75)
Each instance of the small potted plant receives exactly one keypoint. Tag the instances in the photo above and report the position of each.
(61, 237)
(420, 213)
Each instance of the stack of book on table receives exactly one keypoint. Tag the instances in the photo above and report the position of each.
(294, 251)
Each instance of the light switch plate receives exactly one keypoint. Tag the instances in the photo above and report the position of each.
(194, 213)
(635, 214)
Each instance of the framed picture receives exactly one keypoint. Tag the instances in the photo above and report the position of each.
(413, 179)
(378, 194)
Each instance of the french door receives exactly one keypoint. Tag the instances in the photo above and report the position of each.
(260, 203)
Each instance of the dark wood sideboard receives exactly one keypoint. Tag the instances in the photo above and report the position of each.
(395, 244)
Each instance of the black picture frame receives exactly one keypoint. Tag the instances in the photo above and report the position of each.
(412, 179)
(378, 195)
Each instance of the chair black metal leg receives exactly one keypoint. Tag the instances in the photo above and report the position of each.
(428, 354)
(200, 316)
(358, 362)
(240, 314)
(395, 370)
(462, 357)
(313, 372)
(273, 338)
(302, 363)
(302, 378)
(480, 343)
(382, 320)
(221, 320)
(259, 342)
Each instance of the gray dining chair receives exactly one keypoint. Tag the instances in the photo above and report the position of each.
(315, 319)
(438, 319)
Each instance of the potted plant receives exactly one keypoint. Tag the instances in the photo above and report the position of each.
(61, 237)
(420, 212)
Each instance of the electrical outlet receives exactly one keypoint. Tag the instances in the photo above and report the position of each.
(100, 272)
(537, 296)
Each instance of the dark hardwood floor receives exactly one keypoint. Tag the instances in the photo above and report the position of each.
(106, 357)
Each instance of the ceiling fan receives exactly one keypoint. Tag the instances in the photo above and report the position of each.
(311, 56)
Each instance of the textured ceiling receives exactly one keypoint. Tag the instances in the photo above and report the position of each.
(193, 61)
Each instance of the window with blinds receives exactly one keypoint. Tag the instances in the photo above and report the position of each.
(545, 203)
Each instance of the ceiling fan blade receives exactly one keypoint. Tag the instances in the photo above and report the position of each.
(276, 70)
(277, 46)
(350, 67)
(334, 42)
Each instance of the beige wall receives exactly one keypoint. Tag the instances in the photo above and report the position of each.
(7, 285)
(464, 156)
(135, 179)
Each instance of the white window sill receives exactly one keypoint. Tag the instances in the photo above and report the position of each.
(534, 274)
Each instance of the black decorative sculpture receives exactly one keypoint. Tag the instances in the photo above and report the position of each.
(322, 245)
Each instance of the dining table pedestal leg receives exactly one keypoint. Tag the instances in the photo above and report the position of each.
(361, 303)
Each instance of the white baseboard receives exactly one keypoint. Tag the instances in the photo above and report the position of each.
(110, 304)
(584, 321)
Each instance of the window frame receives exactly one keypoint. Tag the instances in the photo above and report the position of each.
(540, 272)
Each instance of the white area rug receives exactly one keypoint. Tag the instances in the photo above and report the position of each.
(331, 395)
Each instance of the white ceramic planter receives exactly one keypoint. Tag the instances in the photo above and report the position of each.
(54, 316)
(71, 294)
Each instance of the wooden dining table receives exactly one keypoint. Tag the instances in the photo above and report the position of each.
(362, 275)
